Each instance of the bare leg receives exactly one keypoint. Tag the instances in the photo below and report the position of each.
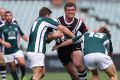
(71, 69)
(3, 71)
(43, 72)
(111, 72)
(77, 58)
(12, 66)
(37, 73)
(95, 74)
(21, 63)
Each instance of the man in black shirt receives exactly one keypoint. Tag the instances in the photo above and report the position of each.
(71, 56)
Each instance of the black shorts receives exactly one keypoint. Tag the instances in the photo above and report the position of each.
(64, 53)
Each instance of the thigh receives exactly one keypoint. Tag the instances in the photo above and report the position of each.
(111, 70)
(77, 57)
(64, 55)
(35, 59)
(12, 66)
(1, 56)
(19, 56)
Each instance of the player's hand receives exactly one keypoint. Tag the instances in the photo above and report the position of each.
(7, 44)
(55, 47)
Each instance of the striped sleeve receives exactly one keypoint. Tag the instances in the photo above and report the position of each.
(51, 23)
(82, 27)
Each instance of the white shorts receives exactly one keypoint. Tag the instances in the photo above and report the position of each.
(36, 59)
(97, 60)
(13, 56)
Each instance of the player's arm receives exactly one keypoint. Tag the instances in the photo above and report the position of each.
(56, 25)
(65, 43)
(68, 42)
(66, 31)
(24, 36)
(110, 51)
(6, 44)
(55, 35)
(108, 46)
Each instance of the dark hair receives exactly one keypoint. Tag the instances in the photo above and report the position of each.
(105, 30)
(8, 12)
(44, 11)
(69, 4)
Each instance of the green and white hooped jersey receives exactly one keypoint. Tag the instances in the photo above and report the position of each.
(38, 34)
(93, 42)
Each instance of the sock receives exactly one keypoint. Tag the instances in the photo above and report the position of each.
(23, 71)
(82, 75)
(3, 72)
(14, 75)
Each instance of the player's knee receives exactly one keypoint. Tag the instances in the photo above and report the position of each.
(79, 67)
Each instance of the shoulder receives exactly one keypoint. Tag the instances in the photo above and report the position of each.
(14, 21)
(1, 25)
(61, 17)
(15, 25)
(49, 20)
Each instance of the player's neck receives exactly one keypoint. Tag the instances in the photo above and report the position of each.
(68, 20)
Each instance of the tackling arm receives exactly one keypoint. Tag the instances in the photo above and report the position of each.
(66, 31)
(65, 43)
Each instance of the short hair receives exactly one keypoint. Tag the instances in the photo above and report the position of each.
(69, 4)
(44, 11)
(8, 12)
(105, 30)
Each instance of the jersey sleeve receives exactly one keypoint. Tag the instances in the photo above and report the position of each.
(20, 31)
(14, 21)
(111, 47)
(51, 23)
(107, 43)
(77, 39)
(83, 28)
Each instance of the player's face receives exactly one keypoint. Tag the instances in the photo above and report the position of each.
(2, 13)
(8, 17)
(70, 12)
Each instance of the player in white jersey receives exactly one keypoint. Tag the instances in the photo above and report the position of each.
(38, 39)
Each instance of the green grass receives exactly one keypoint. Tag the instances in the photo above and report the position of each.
(63, 76)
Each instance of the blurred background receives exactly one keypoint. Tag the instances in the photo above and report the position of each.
(95, 13)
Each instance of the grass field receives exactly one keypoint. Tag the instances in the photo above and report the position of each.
(63, 76)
